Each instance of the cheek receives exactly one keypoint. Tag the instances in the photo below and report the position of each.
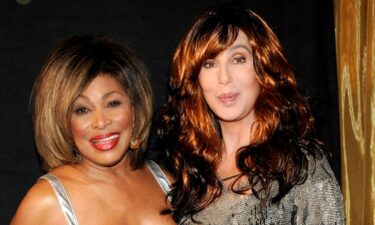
(248, 78)
(248, 83)
(208, 93)
(208, 87)
(125, 119)
(252, 86)
(78, 128)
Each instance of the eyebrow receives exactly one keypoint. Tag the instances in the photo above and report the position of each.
(104, 96)
(240, 46)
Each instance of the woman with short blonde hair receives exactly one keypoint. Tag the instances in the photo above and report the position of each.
(92, 106)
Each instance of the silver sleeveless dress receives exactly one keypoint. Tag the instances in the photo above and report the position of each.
(66, 206)
(62, 197)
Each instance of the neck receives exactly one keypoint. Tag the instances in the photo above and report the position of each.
(236, 134)
(106, 172)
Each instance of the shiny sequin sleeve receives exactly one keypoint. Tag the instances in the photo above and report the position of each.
(318, 201)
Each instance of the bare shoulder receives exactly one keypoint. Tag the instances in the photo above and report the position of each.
(39, 206)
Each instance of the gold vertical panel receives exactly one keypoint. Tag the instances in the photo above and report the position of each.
(355, 43)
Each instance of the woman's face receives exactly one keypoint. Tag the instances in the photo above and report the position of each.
(102, 121)
(229, 84)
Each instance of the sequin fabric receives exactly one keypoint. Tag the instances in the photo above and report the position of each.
(317, 201)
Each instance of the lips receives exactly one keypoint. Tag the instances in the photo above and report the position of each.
(105, 142)
(228, 98)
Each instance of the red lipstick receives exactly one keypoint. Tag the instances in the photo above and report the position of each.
(105, 142)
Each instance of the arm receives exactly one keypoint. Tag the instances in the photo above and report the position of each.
(39, 206)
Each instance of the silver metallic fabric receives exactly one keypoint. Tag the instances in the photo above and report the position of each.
(66, 206)
(160, 177)
(317, 201)
(62, 197)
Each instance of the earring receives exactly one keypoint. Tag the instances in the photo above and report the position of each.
(135, 143)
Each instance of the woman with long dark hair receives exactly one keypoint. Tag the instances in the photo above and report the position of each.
(238, 132)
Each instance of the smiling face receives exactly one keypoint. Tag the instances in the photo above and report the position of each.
(229, 83)
(101, 122)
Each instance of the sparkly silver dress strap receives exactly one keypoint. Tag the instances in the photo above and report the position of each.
(160, 176)
(61, 195)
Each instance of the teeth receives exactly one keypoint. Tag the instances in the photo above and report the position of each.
(106, 139)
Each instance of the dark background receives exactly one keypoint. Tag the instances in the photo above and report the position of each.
(152, 29)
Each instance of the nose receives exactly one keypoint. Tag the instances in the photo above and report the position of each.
(225, 75)
(100, 120)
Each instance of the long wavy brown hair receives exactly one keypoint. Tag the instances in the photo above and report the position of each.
(282, 135)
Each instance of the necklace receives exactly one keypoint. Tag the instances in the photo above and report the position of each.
(229, 177)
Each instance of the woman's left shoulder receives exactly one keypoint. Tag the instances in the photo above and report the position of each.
(320, 181)
(318, 200)
(319, 169)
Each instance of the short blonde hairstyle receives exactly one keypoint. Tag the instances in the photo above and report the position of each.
(72, 65)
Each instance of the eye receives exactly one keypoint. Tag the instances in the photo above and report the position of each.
(81, 110)
(113, 103)
(239, 60)
(209, 64)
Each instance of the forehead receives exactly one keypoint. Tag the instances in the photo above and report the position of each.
(103, 84)
(219, 44)
(241, 42)
(241, 39)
